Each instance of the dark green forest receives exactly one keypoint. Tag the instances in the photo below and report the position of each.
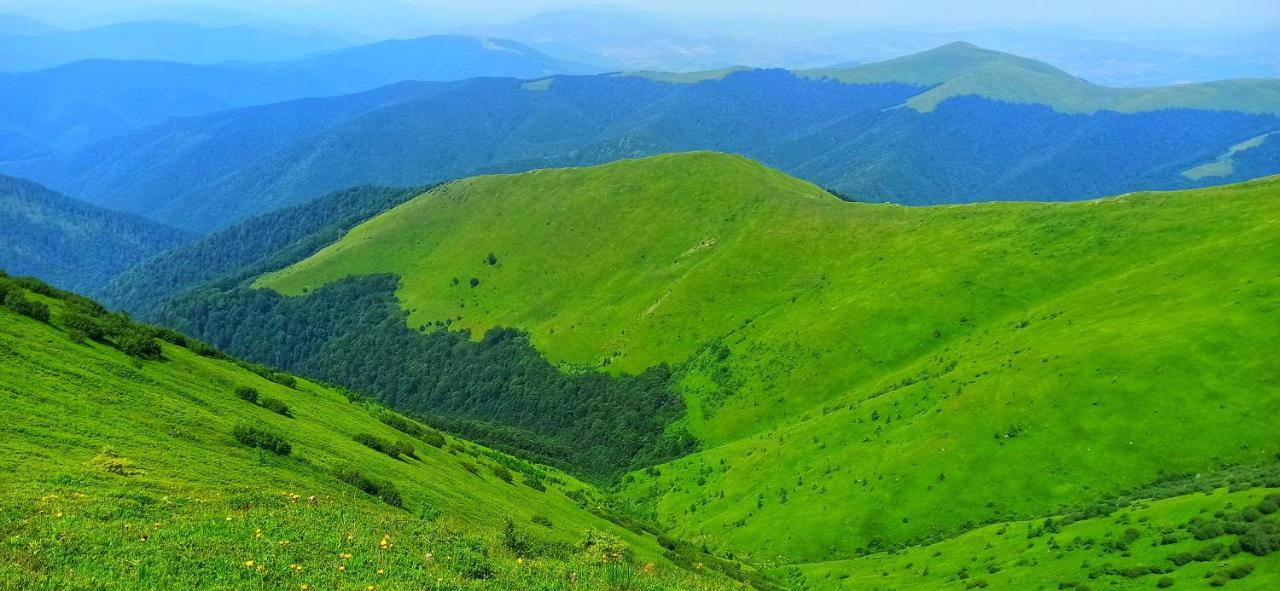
(72, 244)
(498, 390)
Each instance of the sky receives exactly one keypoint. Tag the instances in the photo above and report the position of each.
(378, 17)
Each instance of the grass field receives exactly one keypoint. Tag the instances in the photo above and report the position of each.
(121, 473)
(866, 375)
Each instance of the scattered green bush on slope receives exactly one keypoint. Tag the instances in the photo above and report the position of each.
(147, 474)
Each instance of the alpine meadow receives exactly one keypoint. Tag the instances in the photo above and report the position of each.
(513, 295)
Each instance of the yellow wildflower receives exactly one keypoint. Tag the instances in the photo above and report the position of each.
(248, 563)
(381, 572)
(342, 568)
(520, 560)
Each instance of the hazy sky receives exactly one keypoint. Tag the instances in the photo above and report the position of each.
(366, 14)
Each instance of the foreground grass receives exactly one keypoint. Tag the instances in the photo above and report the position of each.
(121, 473)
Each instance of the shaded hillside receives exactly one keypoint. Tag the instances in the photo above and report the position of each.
(69, 243)
(74, 105)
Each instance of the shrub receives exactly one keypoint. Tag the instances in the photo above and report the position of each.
(432, 437)
(137, 343)
(405, 448)
(475, 282)
(205, 350)
(1262, 539)
(19, 303)
(1240, 571)
(1164, 582)
(604, 547)
(535, 484)
(247, 394)
(542, 520)
(469, 467)
(276, 405)
(262, 439)
(84, 324)
(472, 561)
(384, 490)
(513, 539)
(502, 473)
(401, 424)
(1207, 530)
(390, 494)
(377, 444)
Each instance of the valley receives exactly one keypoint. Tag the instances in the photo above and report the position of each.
(512, 295)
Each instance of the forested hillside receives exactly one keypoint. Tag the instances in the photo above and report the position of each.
(846, 136)
(69, 243)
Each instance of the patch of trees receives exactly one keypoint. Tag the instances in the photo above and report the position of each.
(498, 391)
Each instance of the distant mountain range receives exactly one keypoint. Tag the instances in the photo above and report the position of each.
(70, 106)
(628, 39)
(974, 127)
(69, 243)
(27, 46)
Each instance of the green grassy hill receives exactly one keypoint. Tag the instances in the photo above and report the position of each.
(124, 470)
(960, 69)
(863, 376)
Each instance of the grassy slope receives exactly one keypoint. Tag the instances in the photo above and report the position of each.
(961, 69)
(1048, 561)
(1100, 333)
(199, 496)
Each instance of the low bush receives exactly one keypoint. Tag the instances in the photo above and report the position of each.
(542, 520)
(19, 303)
(1261, 539)
(247, 394)
(275, 405)
(262, 439)
(384, 490)
(503, 474)
(84, 324)
(136, 342)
